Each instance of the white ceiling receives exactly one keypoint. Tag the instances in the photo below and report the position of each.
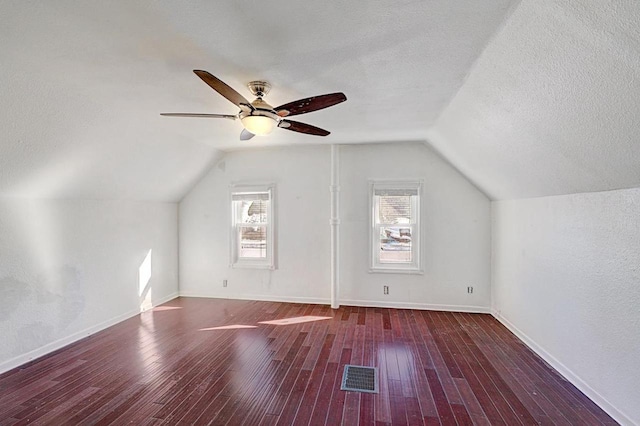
(83, 82)
(527, 99)
(553, 104)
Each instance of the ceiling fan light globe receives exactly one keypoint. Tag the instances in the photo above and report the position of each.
(258, 125)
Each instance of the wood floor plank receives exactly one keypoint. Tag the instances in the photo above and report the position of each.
(312, 390)
(471, 403)
(445, 413)
(520, 383)
(336, 406)
(443, 360)
(290, 409)
(286, 386)
(492, 403)
(382, 399)
(194, 361)
(461, 415)
(422, 360)
(323, 400)
(546, 385)
(515, 404)
(578, 403)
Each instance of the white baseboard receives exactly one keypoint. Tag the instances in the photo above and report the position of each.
(165, 299)
(365, 303)
(418, 306)
(61, 343)
(567, 373)
(261, 298)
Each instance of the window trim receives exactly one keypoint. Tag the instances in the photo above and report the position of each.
(235, 261)
(415, 266)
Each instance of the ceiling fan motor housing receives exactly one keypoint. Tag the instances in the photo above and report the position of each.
(260, 109)
(259, 88)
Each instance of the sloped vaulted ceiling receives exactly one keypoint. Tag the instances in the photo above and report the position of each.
(530, 98)
(82, 83)
(552, 106)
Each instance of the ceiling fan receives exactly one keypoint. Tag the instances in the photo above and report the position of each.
(260, 118)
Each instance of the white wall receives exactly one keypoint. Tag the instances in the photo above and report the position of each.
(456, 224)
(302, 209)
(69, 268)
(566, 279)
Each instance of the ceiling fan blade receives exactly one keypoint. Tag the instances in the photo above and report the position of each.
(245, 135)
(296, 126)
(224, 89)
(314, 103)
(188, 114)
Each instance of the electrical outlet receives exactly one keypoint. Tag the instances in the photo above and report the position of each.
(470, 289)
(224, 283)
(385, 289)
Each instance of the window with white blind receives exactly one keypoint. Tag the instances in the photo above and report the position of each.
(252, 232)
(395, 226)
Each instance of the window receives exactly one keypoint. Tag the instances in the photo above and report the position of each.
(252, 243)
(395, 227)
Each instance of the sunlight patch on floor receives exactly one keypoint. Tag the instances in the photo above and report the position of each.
(294, 320)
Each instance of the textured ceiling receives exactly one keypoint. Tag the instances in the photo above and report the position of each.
(530, 98)
(552, 106)
(83, 82)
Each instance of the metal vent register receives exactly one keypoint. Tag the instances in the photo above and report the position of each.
(360, 379)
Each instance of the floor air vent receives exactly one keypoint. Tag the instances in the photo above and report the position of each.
(359, 379)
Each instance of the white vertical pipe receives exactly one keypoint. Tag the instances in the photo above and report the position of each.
(335, 224)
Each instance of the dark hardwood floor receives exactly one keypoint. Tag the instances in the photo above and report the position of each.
(210, 361)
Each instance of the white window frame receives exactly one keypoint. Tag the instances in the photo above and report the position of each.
(375, 265)
(269, 262)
